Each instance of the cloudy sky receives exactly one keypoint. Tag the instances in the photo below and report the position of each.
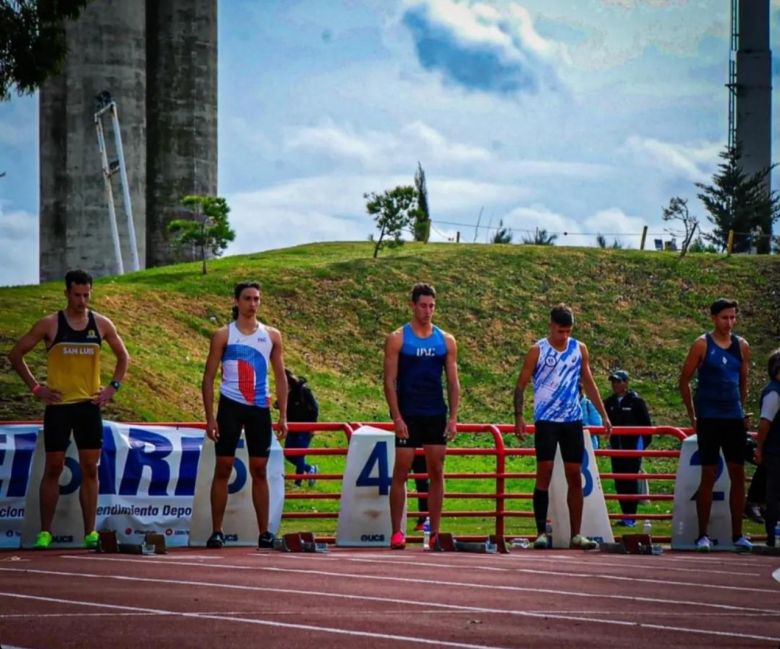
(577, 116)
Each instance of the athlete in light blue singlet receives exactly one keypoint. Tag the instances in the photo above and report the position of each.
(556, 365)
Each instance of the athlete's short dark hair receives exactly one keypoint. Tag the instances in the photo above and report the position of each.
(562, 315)
(240, 288)
(773, 365)
(420, 289)
(77, 276)
(722, 303)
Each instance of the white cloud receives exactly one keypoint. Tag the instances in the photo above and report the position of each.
(691, 162)
(19, 258)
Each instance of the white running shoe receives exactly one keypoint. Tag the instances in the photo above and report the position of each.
(581, 542)
(743, 544)
(703, 544)
(542, 542)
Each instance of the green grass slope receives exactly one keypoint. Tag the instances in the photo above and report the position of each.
(334, 305)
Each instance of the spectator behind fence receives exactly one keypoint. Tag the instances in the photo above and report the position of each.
(768, 445)
(717, 415)
(626, 408)
(419, 466)
(301, 406)
(555, 364)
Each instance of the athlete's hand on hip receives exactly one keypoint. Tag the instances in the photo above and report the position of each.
(47, 395)
(452, 429)
(520, 428)
(104, 396)
(401, 431)
(281, 429)
(212, 430)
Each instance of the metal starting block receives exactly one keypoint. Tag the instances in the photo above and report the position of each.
(299, 542)
(500, 543)
(448, 543)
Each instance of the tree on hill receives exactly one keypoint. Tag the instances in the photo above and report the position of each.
(677, 210)
(738, 202)
(394, 211)
(208, 230)
(422, 219)
(33, 44)
(540, 238)
(502, 234)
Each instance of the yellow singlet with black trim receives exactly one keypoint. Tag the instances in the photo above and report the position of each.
(74, 361)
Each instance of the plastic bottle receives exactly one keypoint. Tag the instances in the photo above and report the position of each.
(548, 531)
(427, 534)
(647, 528)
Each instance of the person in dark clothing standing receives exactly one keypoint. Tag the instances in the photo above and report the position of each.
(301, 406)
(626, 408)
(768, 446)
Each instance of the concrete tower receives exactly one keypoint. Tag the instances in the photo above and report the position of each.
(181, 104)
(158, 60)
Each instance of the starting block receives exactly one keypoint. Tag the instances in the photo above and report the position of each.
(500, 543)
(108, 544)
(448, 543)
(299, 542)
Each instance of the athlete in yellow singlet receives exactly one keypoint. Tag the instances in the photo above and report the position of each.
(72, 394)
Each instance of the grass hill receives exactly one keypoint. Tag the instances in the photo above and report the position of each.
(334, 304)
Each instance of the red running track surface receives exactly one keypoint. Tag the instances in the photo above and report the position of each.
(240, 597)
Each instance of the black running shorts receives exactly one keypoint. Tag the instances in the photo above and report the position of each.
(424, 430)
(551, 433)
(82, 419)
(716, 434)
(256, 423)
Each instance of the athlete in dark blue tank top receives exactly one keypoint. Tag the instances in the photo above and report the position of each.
(416, 356)
(420, 369)
(721, 360)
(718, 393)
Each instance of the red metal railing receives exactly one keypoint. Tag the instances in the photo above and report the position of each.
(499, 450)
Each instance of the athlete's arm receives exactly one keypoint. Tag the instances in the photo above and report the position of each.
(44, 329)
(453, 386)
(769, 407)
(531, 358)
(691, 364)
(280, 380)
(216, 349)
(589, 385)
(393, 344)
(109, 334)
(743, 376)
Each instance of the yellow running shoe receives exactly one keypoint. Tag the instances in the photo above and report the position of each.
(43, 540)
(91, 540)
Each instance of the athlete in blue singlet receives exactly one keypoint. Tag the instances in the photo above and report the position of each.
(557, 364)
(245, 348)
(717, 416)
(416, 357)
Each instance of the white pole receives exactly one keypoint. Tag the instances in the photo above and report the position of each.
(120, 154)
(109, 194)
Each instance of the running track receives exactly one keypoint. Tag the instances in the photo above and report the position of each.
(240, 597)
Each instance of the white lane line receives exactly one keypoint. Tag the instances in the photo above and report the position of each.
(441, 606)
(557, 573)
(776, 574)
(284, 625)
(656, 568)
(383, 636)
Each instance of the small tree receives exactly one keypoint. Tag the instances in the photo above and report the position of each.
(738, 202)
(677, 210)
(208, 230)
(33, 45)
(502, 234)
(422, 218)
(394, 211)
(541, 238)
